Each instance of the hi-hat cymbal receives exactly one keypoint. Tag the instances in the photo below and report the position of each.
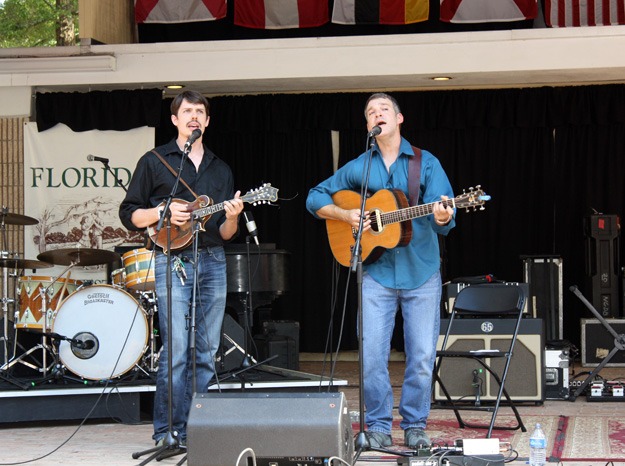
(17, 219)
(79, 256)
(23, 264)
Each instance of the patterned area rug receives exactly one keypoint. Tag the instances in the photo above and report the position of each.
(577, 438)
(598, 438)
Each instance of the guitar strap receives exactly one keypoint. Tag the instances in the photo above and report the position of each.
(414, 176)
(175, 173)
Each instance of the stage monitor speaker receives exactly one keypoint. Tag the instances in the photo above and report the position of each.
(279, 428)
(525, 381)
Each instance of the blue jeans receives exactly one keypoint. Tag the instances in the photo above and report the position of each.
(211, 304)
(421, 312)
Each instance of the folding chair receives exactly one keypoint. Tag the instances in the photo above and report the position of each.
(491, 301)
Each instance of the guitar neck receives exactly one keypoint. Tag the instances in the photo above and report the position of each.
(408, 213)
(208, 210)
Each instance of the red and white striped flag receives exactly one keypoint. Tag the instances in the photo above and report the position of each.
(380, 11)
(487, 11)
(280, 14)
(565, 13)
(179, 11)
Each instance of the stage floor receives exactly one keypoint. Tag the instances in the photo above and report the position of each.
(109, 441)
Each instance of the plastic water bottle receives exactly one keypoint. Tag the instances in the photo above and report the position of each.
(538, 447)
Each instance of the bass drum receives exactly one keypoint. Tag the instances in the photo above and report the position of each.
(108, 328)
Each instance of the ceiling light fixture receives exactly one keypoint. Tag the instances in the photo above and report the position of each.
(174, 86)
(441, 78)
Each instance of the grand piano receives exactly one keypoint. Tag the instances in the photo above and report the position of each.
(269, 279)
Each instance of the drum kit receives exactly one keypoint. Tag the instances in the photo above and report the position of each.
(95, 331)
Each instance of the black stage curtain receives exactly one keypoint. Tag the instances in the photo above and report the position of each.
(547, 156)
(116, 110)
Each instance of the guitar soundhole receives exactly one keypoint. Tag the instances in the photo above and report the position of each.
(374, 221)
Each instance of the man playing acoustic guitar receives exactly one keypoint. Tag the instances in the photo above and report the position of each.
(404, 274)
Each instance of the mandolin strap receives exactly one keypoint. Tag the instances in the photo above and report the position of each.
(175, 173)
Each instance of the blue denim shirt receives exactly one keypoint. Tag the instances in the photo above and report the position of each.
(401, 267)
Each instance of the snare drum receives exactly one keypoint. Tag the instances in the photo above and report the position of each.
(31, 313)
(139, 267)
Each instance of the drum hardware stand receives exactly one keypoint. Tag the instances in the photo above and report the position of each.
(619, 344)
(5, 336)
(5, 312)
(151, 309)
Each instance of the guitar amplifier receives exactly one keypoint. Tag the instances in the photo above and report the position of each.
(525, 378)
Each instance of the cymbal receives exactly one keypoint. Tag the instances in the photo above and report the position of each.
(17, 219)
(79, 256)
(23, 264)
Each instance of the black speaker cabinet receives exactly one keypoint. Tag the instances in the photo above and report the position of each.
(525, 381)
(602, 262)
(544, 276)
(281, 429)
(597, 342)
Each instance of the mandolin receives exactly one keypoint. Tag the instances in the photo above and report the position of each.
(202, 209)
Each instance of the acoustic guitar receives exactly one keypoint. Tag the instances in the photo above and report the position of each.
(390, 216)
(202, 209)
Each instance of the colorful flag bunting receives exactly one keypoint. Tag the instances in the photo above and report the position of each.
(179, 11)
(380, 11)
(486, 11)
(280, 14)
(566, 13)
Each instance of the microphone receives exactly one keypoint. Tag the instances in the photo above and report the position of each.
(477, 385)
(88, 344)
(82, 344)
(251, 225)
(374, 132)
(194, 136)
(92, 158)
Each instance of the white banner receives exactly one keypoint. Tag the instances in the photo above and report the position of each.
(76, 201)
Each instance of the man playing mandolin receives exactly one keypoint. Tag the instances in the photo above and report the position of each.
(203, 173)
(405, 277)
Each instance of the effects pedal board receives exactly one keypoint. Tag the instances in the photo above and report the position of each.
(608, 390)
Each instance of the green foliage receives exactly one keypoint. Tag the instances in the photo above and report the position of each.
(37, 23)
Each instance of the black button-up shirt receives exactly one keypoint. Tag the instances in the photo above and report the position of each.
(152, 183)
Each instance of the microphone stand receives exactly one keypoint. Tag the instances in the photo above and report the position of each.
(248, 315)
(192, 345)
(170, 446)
(117, 180)
(362, 442)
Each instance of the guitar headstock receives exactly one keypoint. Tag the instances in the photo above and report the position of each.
(476, 197)
(261, 195)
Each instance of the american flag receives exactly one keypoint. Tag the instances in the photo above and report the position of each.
(566, 13)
